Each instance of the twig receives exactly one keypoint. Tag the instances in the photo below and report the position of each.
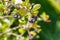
(1, 17)
(10, 30)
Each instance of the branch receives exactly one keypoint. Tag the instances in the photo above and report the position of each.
(1, 17)
(8, 30)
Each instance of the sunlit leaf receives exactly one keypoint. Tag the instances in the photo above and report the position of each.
(26, 0)
(22, 12)
(36, 7)
(44, 16)
(36, 26)
(21, 30)
(35, 13)
(33, 33)
(1, 7)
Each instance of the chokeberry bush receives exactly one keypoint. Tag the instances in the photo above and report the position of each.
(19, 20)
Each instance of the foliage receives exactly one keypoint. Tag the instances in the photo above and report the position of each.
(24, 20)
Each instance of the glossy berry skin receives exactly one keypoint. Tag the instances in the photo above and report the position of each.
(33, 19)
(16, 16)
(19, 16)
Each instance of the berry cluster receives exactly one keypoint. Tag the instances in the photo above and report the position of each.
(26, 14)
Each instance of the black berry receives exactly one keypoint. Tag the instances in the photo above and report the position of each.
(19, 16)
(33, 19)
(16, 16)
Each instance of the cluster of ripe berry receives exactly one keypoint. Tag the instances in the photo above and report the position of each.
(11, 8)
(26, 13)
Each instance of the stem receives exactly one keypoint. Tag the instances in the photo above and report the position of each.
(1, 17)
(10, 30)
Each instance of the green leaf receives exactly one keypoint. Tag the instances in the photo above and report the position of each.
(26, 0)
(36, 7)
(21, 30)
(1, 7)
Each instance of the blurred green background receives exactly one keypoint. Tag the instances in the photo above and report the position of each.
(50, 31)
